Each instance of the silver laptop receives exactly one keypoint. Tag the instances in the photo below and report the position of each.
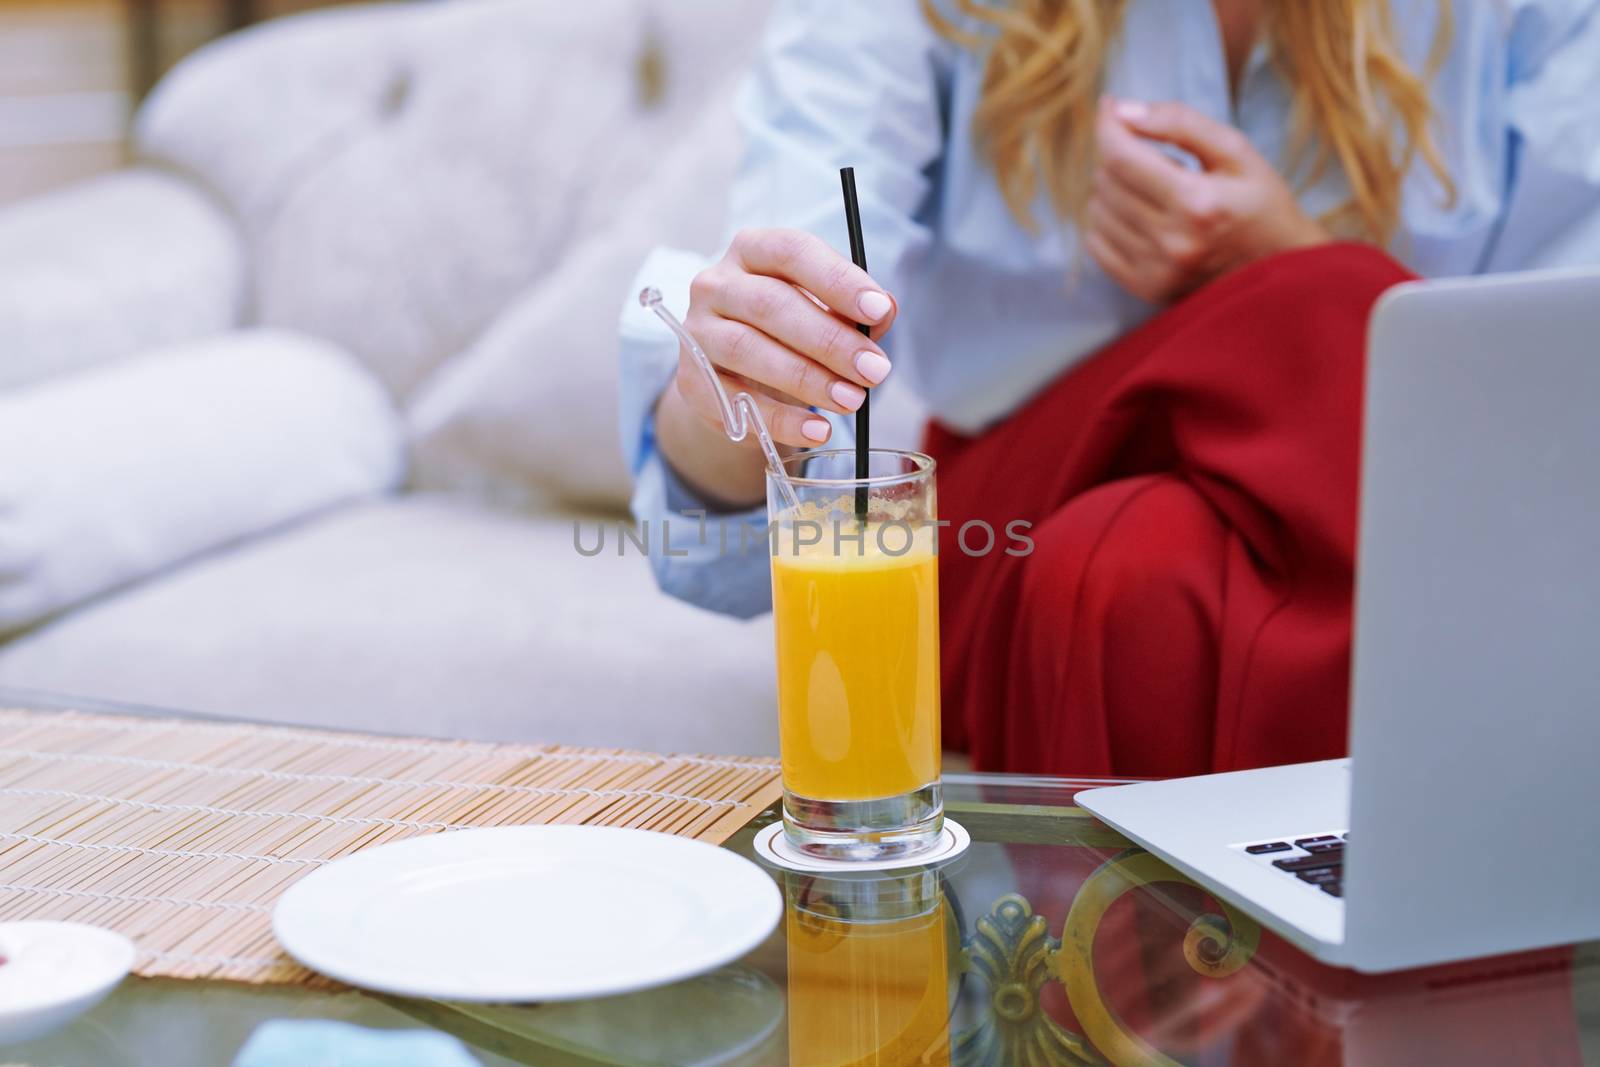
(1466, 821)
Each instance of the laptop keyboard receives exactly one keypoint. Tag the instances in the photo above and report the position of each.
(1317, 860)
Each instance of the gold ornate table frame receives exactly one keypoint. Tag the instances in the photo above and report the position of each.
(1012, 951)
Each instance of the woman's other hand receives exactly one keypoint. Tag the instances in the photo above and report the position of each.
(1161, 229)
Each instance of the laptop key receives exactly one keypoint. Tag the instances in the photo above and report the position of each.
(1314, 862)
(1333, 889)
(1319, 877)
(1270, 846)
(1325, 846)
(1321, 839)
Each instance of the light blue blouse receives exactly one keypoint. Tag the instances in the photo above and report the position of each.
(990, 313)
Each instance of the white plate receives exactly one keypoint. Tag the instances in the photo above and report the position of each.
(527, 913)
(54, 972)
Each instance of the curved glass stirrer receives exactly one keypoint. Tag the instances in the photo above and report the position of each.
(739, 415)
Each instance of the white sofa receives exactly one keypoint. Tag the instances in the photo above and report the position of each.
(297, 413)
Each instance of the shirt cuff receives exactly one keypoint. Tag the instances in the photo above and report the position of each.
(647, 349)
(718, 561)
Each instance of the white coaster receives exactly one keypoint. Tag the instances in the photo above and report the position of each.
(772, 846)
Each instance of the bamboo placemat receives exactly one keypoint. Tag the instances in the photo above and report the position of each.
(181, 834)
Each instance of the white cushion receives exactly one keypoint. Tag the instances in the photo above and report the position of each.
(422, 615)
(248, 114)
(533, 405)
(403, 172)
(105, 268)
(117, 472)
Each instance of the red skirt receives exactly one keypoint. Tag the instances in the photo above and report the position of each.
(1192, 492)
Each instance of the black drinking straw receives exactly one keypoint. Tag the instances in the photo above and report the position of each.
(858, 253)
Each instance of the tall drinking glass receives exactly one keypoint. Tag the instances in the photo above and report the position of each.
(856, 607)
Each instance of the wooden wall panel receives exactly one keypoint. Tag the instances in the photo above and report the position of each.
(69, 80)
(63, 92)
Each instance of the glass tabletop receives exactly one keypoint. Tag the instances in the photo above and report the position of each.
(1051, 941)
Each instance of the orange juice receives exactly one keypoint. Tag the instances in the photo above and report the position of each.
(858, 664)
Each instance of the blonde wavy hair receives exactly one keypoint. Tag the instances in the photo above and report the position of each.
(1355, 102)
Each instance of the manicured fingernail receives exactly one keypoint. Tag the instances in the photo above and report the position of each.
(873, 367)
(874, 305)
(815, 429)
(1132, 110)
(846, 395)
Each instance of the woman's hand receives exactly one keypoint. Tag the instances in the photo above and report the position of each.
(1160, 229)
(779, 312)
(777, 316)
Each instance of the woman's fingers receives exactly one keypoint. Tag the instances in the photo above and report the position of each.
(877, 330)
(882, 327)
(751, 353)
(1133, 210)
(777, 316)
(1116, 265)
(779, 310)
(1131, 237)
(1216, 145)
(789, 424)
(1134, 163)
(808, 261)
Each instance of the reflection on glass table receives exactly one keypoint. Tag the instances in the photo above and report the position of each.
(1052, 941)
(1055, 942)
(869, 977)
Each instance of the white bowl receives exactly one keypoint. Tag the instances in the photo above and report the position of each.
(54, 972)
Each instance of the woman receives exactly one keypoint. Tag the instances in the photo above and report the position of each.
(1126, 249)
